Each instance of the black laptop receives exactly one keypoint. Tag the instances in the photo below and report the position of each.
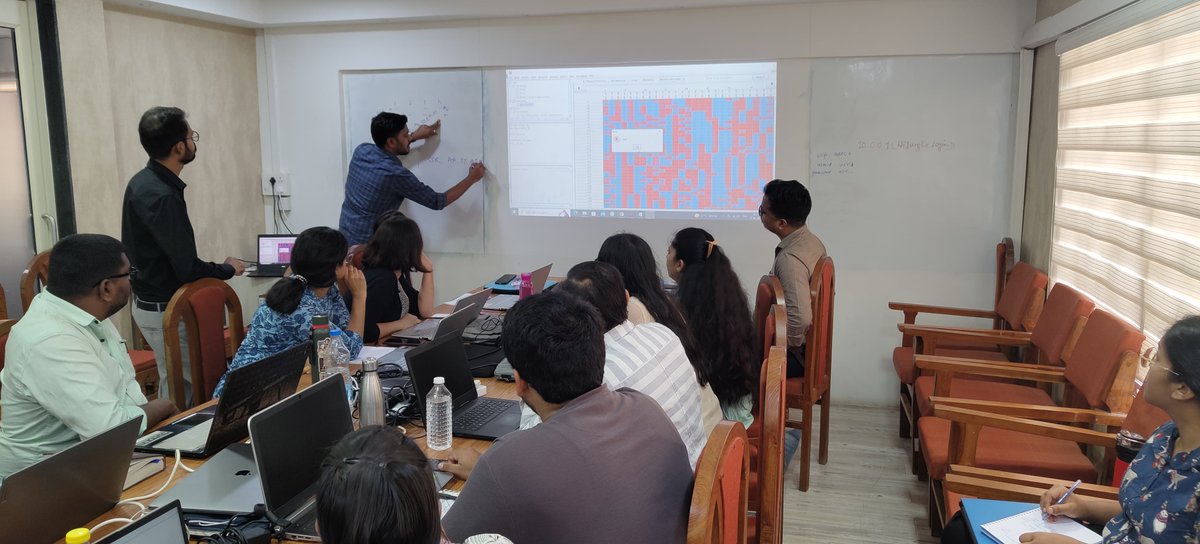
(248, 390)
(162, 526)
(274, 255)
(69, 489)
(474, 416)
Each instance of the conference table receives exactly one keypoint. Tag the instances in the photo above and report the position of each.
(495, 388)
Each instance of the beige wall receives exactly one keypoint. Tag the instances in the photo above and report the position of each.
(118, 63)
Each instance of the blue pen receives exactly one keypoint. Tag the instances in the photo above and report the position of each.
(1064, 497)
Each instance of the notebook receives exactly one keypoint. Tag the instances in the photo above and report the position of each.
(1009, 530)
(248, 389)
(274, 255)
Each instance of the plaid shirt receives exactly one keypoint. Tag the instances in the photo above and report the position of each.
(378, 183)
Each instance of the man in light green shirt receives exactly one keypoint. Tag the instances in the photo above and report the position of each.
(67, 374)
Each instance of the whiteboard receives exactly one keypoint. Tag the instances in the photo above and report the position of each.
(910, 171)
(455, 97)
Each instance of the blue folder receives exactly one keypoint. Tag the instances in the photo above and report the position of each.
(980, 511)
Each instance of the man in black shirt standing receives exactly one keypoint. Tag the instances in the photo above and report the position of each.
(158, 234)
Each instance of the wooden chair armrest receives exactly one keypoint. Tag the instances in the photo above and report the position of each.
(978, 336)
(1028, 426)
(963, 472)
(1056, 414)
(1019, 371)
(915, 309)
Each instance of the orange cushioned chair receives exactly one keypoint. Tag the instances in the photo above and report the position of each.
(719, 496)
(765, 522)
(204, 306)
(804, 393)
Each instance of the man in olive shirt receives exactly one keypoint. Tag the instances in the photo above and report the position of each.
(67, 374)
(156, 229)
(604, 466)
(784, 212)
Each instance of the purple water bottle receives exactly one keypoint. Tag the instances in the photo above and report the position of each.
(526, 285)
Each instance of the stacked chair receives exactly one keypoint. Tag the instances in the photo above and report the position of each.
(34, 278)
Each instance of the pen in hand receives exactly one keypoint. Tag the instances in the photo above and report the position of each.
(1063, 497)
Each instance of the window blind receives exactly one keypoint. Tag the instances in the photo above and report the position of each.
(1127, 195)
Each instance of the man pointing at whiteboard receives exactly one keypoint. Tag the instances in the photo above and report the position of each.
(378, 183)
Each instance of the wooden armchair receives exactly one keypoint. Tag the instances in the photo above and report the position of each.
(770, 292)
(720, 494)
(1019, 308)
(765, 515)
(6, 325)
(3, 304)
(204, 306)
(33, 279)
(804, 393)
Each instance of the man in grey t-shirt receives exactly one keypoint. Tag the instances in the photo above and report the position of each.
(604, 466)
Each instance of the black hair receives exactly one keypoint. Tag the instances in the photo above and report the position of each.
(161, 128)
(555, 341)
(718, 313)
(387, 125)
(315, 257)
(79, 262)
(601, 285)
(395, 245)
(789, 200)
(377, 487)
(634, 259)
(1181, 343)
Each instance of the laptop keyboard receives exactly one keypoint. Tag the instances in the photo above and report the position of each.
(501, 302)
(190, 440)
(480, 413)
(150, 438)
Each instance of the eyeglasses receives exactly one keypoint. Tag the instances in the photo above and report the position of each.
(1151, 363)
(194, 136)
(132, 272)
(761, 211)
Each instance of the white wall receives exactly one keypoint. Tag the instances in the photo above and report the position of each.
(302, 125)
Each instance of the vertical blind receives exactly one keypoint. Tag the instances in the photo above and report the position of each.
(1127, 194)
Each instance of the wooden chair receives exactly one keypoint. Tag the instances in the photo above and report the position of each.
(1019, 308)
(765, 522)
(1099, 372)
(806, 392)
(204, 306)
(1005, 261)
(770, 292)
(6, 325)
(145, 366)
(3, 304)
(720, 494)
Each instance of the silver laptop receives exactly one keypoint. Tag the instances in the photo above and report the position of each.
(248, 389)
(162, 526)
(504, 302)
(225, 485)
(69, 489)
(465, 312)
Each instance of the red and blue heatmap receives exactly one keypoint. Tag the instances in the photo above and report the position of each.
(717, 153)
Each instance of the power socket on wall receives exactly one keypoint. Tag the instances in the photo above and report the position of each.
(282, 184)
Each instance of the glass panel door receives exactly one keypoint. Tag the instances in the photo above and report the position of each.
(16, 212)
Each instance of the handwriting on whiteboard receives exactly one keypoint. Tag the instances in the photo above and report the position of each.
(839, 162)
(938, 146)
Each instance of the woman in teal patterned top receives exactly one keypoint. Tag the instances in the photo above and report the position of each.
(1157, 502)
(284, 318)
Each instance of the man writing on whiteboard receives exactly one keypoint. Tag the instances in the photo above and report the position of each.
(784, 212)
(378, 183)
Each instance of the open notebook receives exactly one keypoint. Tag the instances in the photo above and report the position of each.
(1009, 530)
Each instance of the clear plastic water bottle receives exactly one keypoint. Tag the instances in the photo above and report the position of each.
(371, 405)
(335, 358)
(526, 288)
(439, 418)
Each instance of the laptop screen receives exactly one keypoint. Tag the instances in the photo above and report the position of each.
(443, 357)
(163, 526)
(275, 249)
(292, 438)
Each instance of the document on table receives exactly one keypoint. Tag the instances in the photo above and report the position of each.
(377, 352)
(1010, 529)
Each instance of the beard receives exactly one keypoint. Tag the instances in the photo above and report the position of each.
(188, 156)
(116, 307)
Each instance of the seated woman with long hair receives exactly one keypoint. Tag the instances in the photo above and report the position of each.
(1157, 501)
(393, 304)
(377, 487)
(284, 318)
(718, 314)
(650, 303)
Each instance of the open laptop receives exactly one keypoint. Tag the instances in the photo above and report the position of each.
(247, 390)
(274, 255)
(291, 439)
(69, 489)
(504, 302)
(474, 416)
(465, 312)
(162, 526)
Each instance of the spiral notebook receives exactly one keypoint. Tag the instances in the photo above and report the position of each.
(1009, 530)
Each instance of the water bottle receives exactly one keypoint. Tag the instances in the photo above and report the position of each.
(319, 333)
(336, 359)
(526, 285)
(438, 416)
(371, 406)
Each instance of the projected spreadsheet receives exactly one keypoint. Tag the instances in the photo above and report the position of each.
(681, 141)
